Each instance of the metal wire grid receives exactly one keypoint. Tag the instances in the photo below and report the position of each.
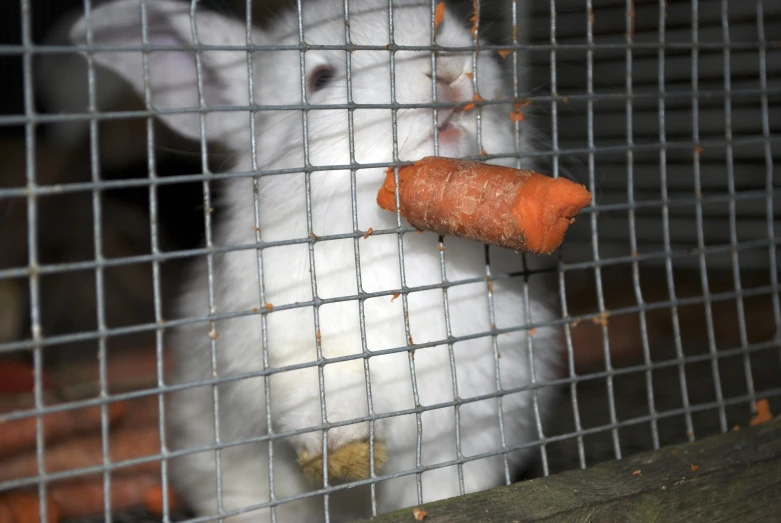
(34, 270)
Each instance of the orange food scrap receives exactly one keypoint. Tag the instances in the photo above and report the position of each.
(520, 210)
(474, 18)
(601, 319)
(368, 233)
(22, 507)
(153, 500)
(469, 75)
(16, 377)
(471, 105)
(419, 514)
(763, 413)
(268, 306)
(516, 117)
(439, 14)
(638, 472)
(532, 331)
(80, 498)
(20, 435)
(694, 467)
(504, 53)
(395, 296)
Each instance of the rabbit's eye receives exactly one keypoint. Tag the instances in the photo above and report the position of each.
(321, 77)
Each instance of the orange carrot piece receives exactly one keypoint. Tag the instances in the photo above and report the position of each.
(86, 451)
(439, 14)
(21, 506)
(19, 435)
(153, 500)
(85, 498)
(16, 377)
(520, 210)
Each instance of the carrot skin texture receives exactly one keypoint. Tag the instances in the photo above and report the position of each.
(86, 451)
(19, 435)
(22, 507)
(85, 498)
(520, 210)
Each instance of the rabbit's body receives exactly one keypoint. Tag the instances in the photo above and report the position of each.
(352, 277)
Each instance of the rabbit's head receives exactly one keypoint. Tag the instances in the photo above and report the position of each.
(360, 101)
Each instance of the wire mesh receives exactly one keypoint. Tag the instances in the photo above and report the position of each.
(680, 236)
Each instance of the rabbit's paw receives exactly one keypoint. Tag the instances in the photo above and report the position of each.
(349, 462)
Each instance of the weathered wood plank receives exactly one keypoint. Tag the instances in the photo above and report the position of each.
(729, 477)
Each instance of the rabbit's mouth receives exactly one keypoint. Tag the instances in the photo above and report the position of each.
(444, 120)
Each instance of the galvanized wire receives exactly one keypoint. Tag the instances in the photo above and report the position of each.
(596, 264)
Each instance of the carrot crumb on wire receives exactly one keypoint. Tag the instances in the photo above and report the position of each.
(368, 233)
(504, 53)
(439, 14)
(516, 117)
(395, 295)
(268, 306)
(474, 19)
(694, 467)
(601, 319)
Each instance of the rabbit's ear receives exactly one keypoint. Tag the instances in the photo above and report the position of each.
(173, 80)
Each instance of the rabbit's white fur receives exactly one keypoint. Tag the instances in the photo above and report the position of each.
(236, 344)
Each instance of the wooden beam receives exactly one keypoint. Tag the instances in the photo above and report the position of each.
(729, 477)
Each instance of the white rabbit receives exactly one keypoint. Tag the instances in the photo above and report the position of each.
(340, 284)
